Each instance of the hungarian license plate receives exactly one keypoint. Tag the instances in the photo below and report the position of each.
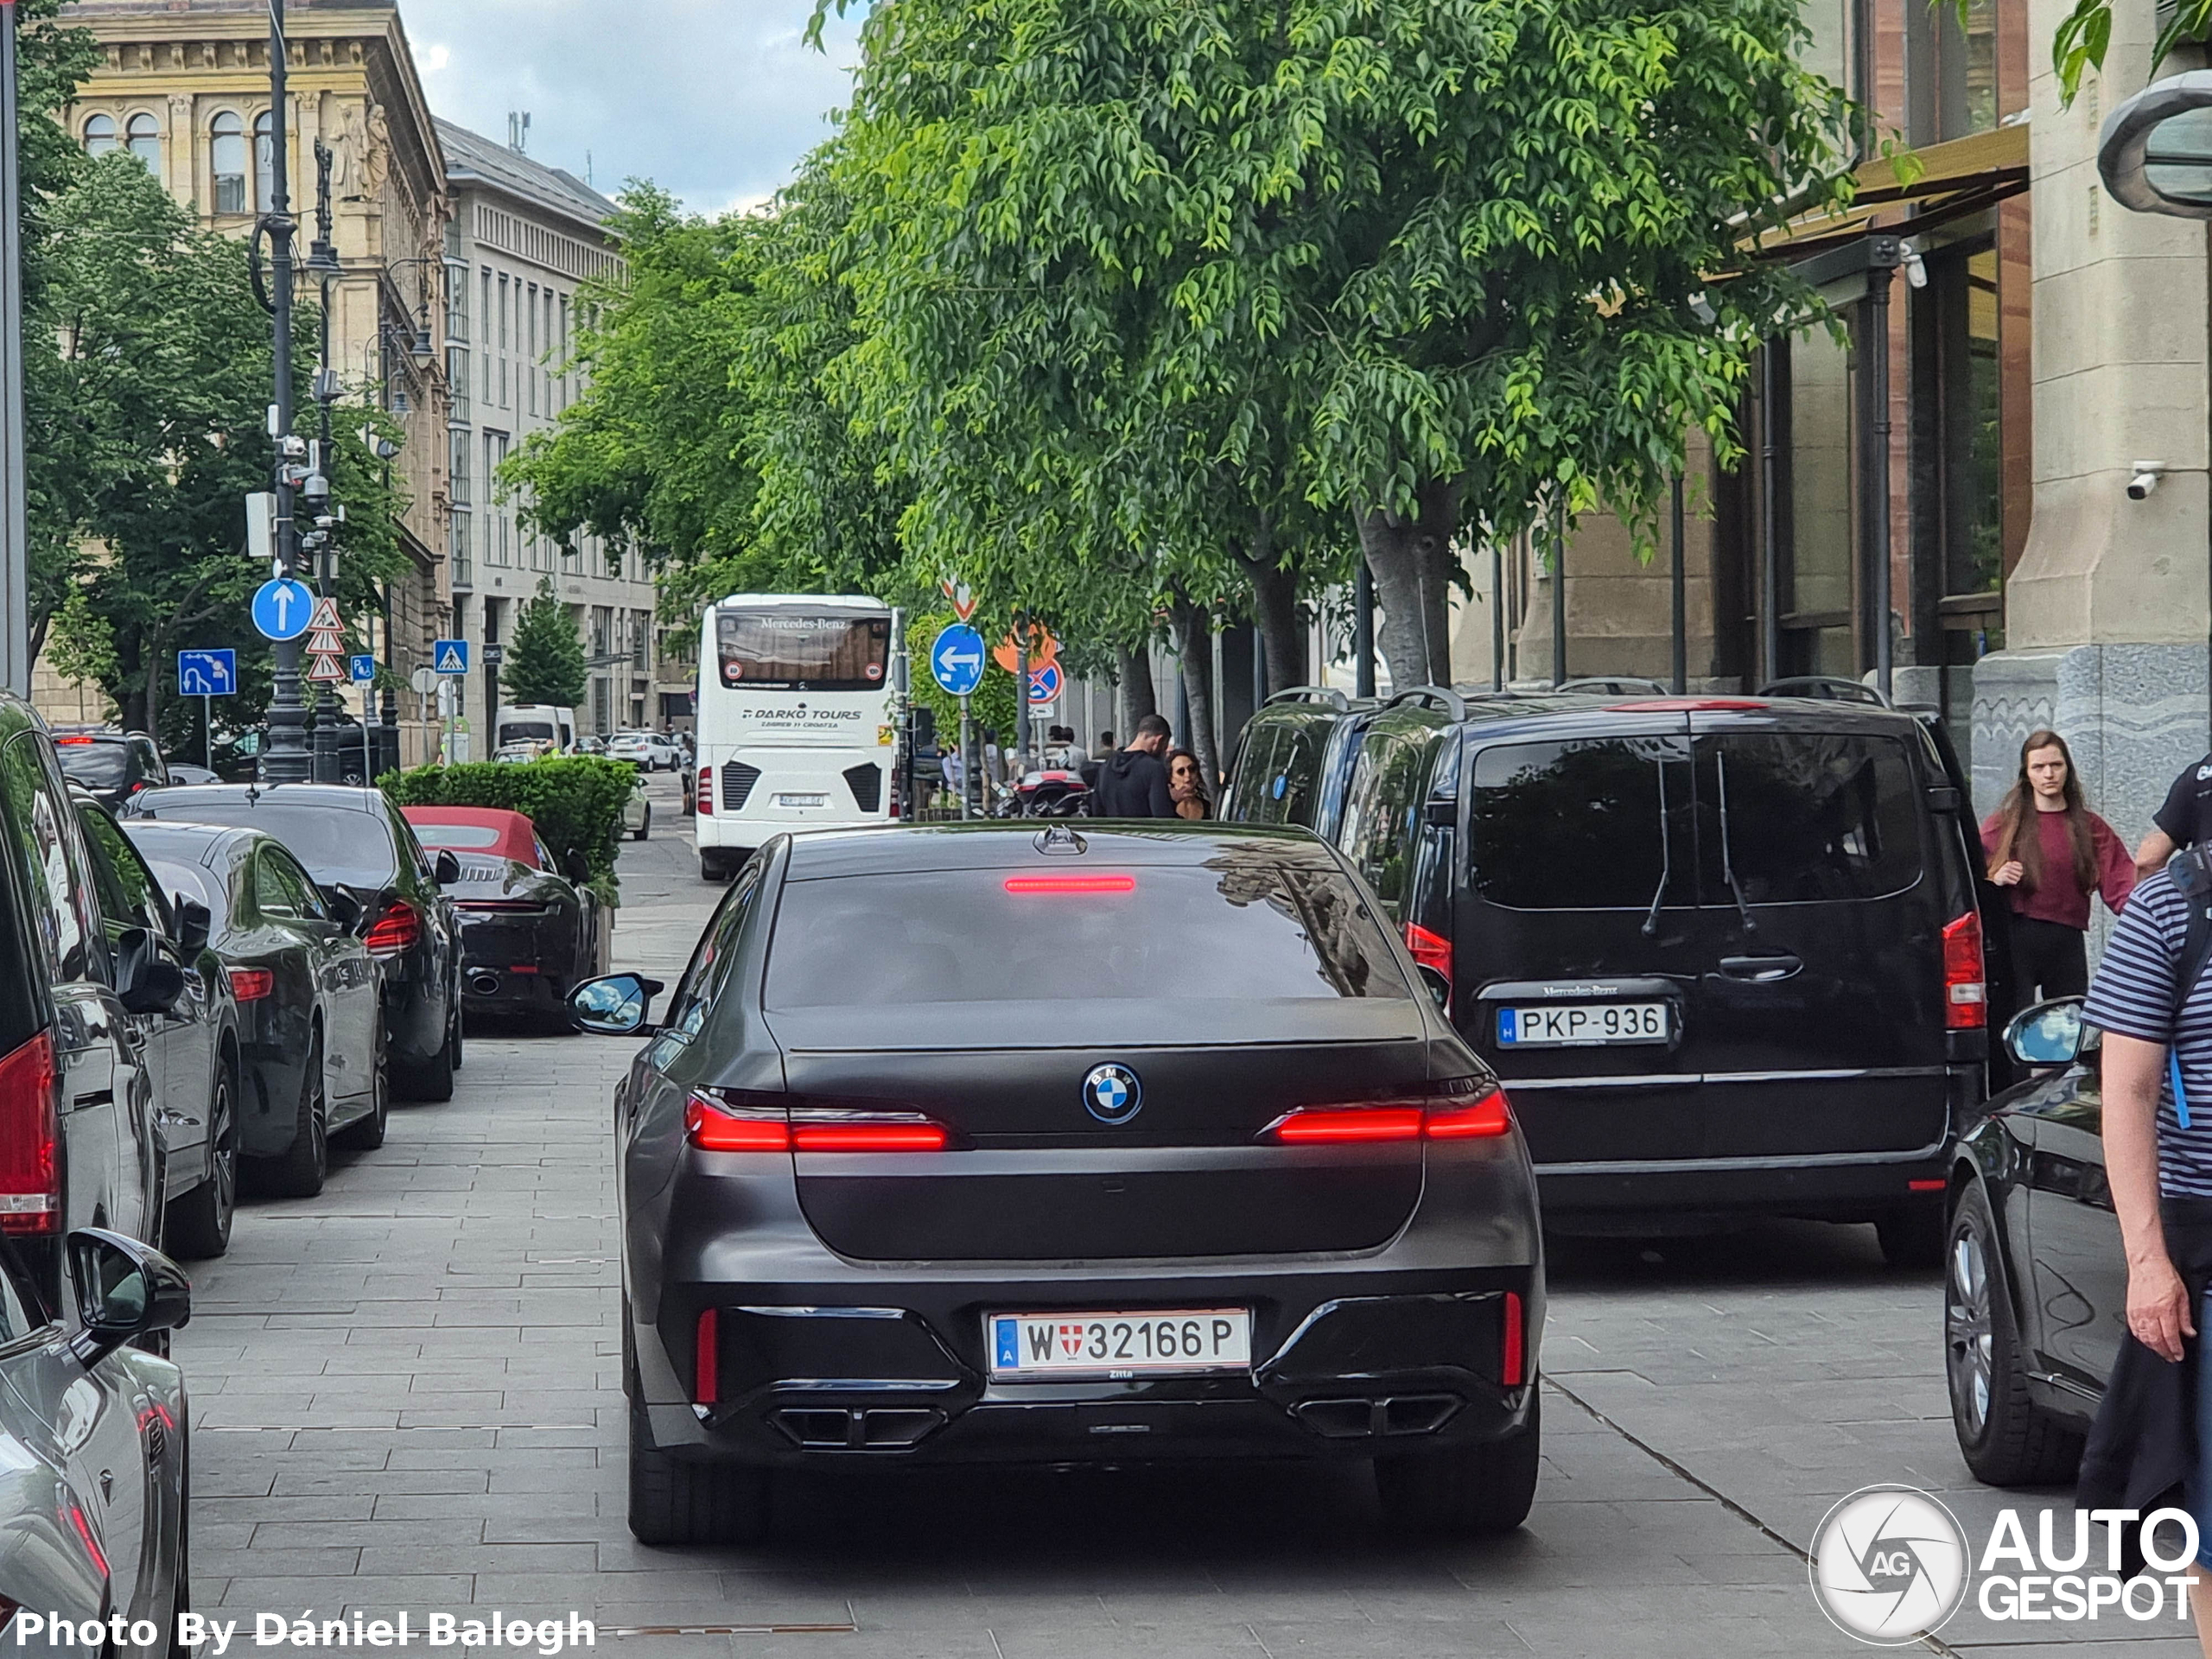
(1058, 1344)
(801, 800)
(1566, 1025)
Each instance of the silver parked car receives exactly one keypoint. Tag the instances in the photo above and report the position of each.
(94, 1484)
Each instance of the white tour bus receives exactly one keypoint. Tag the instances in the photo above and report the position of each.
(796, 727)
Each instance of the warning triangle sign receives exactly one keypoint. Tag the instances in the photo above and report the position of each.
(324, 640)
(325, 613)
(327, 668)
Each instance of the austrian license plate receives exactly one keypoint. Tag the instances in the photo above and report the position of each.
(1566, 1025)
(801, 800)
(1110, 1344)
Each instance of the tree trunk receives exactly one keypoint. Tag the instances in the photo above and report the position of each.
(1412, 562)
(1133, 668)
(1194, 653)
(1275, 613)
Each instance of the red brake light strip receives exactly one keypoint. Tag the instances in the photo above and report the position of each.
(1022, 884)
(712, 1127)
(1389, 1121)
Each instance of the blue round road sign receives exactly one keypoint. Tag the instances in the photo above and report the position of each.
(282, 608)
(956, 659)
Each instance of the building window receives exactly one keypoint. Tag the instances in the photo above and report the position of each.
(464, 568)
(144, 141)
(227, 156)
(264, 161)
(529, 366)
(486, 315)
(641, 628)
(99, 134)
(457, 377)
(458, 447)
(456, 302)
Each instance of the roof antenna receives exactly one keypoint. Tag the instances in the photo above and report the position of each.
(518, 132)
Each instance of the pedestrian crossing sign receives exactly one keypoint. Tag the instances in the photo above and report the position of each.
(450, 657)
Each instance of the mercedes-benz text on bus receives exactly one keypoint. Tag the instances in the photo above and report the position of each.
(796, 727)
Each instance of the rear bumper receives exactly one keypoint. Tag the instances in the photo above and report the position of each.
(1348, 1363)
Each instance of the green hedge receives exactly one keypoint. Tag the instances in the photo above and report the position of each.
(576, 803)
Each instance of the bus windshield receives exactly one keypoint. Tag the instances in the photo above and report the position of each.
(779, 651)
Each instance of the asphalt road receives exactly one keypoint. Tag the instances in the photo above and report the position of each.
(406, 1395)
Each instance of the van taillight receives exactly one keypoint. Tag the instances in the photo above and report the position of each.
(399, 929)
(702, 798)
(1965, 994)
(30, 1137)
(1430, 949)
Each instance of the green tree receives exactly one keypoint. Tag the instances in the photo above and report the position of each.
(545, 656)
(2085, 33)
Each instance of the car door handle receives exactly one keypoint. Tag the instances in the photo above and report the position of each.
(1761, 969)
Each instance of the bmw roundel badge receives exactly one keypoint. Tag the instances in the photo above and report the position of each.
(1112, 1094)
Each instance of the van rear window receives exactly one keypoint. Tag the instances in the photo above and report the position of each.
(1577, 825)
(1811, 816)
(1239, 926)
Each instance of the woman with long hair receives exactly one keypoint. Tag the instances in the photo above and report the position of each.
(2052, 853)
(1186, 786)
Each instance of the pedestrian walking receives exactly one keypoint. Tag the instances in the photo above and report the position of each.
(2183, 819)
(2152, 1438)
(1133, 781)
(1186, 786)
(2051, 853)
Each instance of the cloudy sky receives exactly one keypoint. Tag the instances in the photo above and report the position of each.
(715, 100)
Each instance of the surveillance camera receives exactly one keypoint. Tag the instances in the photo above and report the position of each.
(2147, 473)
(316, 488)
(295, 446)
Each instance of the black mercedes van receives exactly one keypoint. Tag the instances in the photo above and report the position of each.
(1295, 757)
(1730, 954)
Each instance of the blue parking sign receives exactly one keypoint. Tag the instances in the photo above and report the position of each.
(364, 669)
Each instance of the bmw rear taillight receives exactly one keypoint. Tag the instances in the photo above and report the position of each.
(30, 1140)
(1966, 994)
(1450, 1117)
(398, 929)
(702, 798)
(736, 1121)
(1513, 1361)
(1430, 949)
(251, 984)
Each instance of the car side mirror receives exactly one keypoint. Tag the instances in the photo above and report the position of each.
(1439, 983)
(2048, 1034)
(614, 1006)
(193, 923)
(445, 868)
(125, 1290)
(575, 867)
(147, 981)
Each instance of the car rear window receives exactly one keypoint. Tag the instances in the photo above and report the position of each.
(1239, 926)
(461, 837)
(96, 765)
(1577, 825)
(336, 844)
(1812, 817)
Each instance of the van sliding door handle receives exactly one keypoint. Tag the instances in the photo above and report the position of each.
(1760, 968)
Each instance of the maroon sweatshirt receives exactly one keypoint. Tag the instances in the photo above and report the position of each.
(2060, 899)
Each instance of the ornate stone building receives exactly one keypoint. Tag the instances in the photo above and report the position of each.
(184, 84)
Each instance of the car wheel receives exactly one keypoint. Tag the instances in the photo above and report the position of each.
(673, 1501)
(1482, 1490)
(712, 868)
(2006, 1438)
(368, 1135)
(299, 1172)
(645, 826)
(432, 1079)
(199, 1224)
(458, 1036)
(1912, 1238)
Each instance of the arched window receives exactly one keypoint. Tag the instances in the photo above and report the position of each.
(143, 140)
(265, 162)
(228, 158)
(99, 134)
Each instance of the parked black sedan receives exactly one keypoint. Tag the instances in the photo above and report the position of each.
(191, 1047)
(2035, 1293)
(110, 764)
(310, 1012)
(530, 932)
(355, 839)
(1102, 1143)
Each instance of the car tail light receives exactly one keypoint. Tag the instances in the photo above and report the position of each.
(84, 1531)
(398, 929)
(30, 1140)
(739, 1122)
(707, 1360)
(70, 742)
(703, 796)
(1457, 1117)
(251, 984)
(1071, 883)
(1965, 996)
(1513, 1361)
(1430, 949)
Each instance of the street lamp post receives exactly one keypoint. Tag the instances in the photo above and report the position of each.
(14, 535)
(322, 261)
(286, 761)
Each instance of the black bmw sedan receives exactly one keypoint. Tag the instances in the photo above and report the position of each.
(2035, 1301)
(355, 839)
(309, 1010)
(994, 1143)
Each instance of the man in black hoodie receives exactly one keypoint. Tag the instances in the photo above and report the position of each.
(1133, 781)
